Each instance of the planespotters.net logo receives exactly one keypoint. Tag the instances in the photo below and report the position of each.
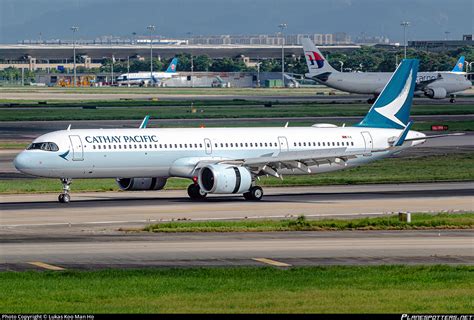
(315, 58)
(437, 317)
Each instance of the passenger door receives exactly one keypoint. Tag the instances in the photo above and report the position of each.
(369, 144)
(208, 146)
(283, 144)
(77, 148)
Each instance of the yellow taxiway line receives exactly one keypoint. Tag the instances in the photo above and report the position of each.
(272, 262)
(46, 266)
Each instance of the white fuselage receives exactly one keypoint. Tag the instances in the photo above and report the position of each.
(140, 78)
(127, 153)
(374, 82)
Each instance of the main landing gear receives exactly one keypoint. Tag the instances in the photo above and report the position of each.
(64, 197)
(453, 99)
(195, 192)
(254, 194)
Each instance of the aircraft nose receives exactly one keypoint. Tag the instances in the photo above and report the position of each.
(22, 161)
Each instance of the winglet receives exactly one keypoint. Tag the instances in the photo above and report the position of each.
(403, 135)
(144, 122)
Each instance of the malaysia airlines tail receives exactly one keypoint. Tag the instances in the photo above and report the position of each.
(391, 110)
(317, 64)
(459, 67)
(172, 66)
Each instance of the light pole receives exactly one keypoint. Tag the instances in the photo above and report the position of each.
(282, 27)
(258, 74)
(74, 29)
(128, 71)
(192, 70)
(151, 28)
(405, 24)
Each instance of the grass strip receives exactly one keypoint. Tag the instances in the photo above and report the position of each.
(419, 221)
(393, 170)
(327, 289)
(212, 111)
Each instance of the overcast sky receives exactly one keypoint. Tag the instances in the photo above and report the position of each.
(25, 19)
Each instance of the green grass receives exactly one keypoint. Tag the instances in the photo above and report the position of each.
(311, 91)
(207, 110)
(394, 170)
(13, 145)
(419, 221)
(328, 289)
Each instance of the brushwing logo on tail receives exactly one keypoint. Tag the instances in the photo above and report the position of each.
(315, 58)
(391, 109)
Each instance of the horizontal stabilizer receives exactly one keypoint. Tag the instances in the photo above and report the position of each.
(403, 135)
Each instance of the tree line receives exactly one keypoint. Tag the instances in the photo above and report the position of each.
(365, 59)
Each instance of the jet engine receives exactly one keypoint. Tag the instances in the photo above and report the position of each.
(436, 93)
(221, 178)
(136, 184)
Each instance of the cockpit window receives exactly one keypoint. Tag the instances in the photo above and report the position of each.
(45, 146)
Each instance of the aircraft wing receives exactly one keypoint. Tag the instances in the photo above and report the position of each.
(297, 160)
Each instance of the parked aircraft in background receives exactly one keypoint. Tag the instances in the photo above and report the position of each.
(227, 160)
(434, 85)
(148, 78)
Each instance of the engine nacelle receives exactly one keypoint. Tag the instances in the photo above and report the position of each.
(222, 178)
(136, 184)
(436, 93)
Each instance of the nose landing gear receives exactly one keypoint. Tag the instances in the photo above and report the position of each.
(64, 197)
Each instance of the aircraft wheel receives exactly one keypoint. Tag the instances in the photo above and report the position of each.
(195, 192)
(255, 194)
(452, 100)
(64, 198)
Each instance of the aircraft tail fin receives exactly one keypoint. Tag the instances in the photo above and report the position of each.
(459, 67)
(393, 105)
(172, 66)
(315, 60)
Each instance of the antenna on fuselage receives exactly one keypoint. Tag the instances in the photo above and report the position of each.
(286, 125)
(69, 128)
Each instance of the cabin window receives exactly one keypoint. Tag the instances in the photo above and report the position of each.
(195, 145)
(226, 145)
(200, 145)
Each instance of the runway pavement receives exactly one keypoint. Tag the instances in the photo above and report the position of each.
(288, 96)
(86, 233)
(285, 249)
(129, 209)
